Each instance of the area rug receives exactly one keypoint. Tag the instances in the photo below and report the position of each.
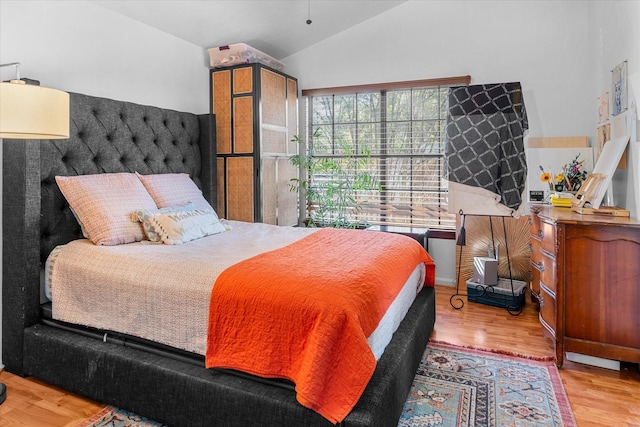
(114, 417)
(456, 387)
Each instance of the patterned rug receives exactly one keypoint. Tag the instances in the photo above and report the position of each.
(456, 387)
(114, 417)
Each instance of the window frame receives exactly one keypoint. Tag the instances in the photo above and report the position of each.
(444, 232)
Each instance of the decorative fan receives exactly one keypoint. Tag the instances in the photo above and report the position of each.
(482, 233)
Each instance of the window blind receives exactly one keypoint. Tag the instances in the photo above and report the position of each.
(395, 133)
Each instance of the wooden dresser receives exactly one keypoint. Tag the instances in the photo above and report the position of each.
(586, 276)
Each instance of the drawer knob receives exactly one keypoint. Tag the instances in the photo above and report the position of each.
(540, 300)
(540, 234)
(538, 266)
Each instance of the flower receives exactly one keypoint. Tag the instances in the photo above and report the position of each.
(574, 175)
(570, 178)
(547, 177)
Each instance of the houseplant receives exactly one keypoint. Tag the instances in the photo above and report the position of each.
(332, 186)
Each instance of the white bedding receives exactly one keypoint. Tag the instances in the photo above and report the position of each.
(162, 292)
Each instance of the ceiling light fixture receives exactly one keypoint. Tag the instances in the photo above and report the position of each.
(309, 12)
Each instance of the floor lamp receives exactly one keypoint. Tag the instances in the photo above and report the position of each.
(29, 111)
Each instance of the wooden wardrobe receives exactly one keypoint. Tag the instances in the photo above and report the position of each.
(256, 110)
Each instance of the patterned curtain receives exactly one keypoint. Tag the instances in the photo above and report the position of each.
(484, 145)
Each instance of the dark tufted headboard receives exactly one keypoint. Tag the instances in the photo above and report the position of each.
(106, 136)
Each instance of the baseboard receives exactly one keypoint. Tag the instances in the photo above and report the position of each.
(594, 361)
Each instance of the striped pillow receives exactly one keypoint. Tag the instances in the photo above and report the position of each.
(183, 226)
(150, 230)
(103, 203)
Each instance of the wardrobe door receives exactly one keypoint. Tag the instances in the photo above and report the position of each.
(257, 113)
(234, 99)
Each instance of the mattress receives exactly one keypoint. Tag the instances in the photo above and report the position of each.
(161, 292)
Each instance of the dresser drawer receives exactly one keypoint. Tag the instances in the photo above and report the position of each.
(535, 281)
(535, 226)
(543, 267)
(548, 273)
(547, 302)
(536, 252)
(548, 238)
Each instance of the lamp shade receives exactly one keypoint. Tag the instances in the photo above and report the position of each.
(33, 112)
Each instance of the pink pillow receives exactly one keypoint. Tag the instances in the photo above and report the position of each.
(103, 204)
(174, 189)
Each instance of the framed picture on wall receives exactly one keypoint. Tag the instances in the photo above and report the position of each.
(619, 89)
(604, 135)
(603, 107)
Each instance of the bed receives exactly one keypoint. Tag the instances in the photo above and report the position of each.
(155, 380)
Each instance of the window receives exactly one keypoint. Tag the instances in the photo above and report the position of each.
(397, 131)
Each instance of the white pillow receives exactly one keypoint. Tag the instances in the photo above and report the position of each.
(184, 226)
(148, 226)
(174, 189)
(103, 204)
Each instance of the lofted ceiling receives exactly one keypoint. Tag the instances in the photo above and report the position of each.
(276, 27)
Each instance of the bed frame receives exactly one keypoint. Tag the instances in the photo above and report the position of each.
(113, 136)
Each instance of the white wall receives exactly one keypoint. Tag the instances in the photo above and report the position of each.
(542, 44)
(615, 37)
(548, 46)
(78, 46)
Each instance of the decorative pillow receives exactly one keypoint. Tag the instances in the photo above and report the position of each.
(174, 189)
(184, 226)
(82, 229)
(148, 226)
(103, 204)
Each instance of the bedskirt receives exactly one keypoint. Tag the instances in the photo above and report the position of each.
(180, 393)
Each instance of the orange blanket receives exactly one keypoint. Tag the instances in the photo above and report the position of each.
(304, 312)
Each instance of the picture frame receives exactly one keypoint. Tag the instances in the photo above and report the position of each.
(619, 93)
(603, 108)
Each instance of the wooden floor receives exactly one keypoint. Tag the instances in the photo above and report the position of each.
(598, 397)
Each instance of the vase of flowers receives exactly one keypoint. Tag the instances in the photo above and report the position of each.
(570, 179)
(573, 174)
